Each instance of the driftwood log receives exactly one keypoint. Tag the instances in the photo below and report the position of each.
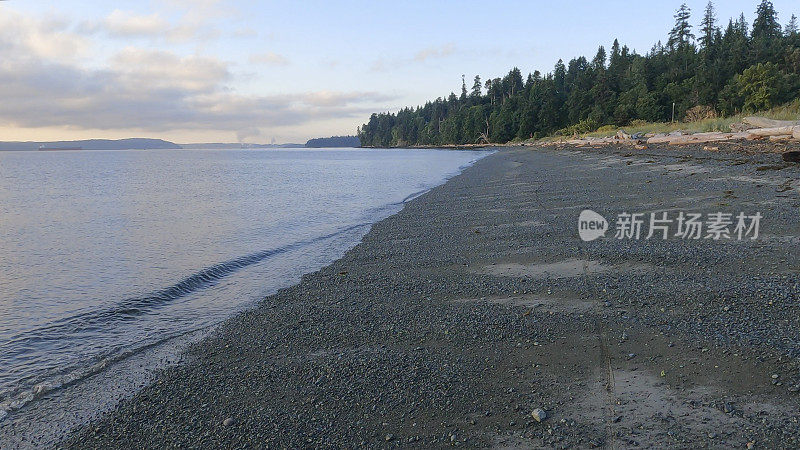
(783, 137)
(697, 138)
(751, 128)
(775, 131)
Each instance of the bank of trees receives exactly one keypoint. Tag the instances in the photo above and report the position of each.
(704, 69)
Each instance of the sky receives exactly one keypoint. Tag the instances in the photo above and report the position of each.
(285, 71)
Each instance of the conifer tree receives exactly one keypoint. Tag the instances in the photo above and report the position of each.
(732, 70)
(681, 34)
(709, 27)
(791, 27)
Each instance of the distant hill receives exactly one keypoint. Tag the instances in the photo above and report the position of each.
(228, 145)
(94, 144)
(335, 141)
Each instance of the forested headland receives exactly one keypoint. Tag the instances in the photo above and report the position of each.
(705, 69)
(334, 141)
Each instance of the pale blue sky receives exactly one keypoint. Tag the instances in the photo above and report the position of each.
(210, 70)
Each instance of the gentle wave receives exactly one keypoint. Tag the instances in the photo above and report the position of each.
(126, 310)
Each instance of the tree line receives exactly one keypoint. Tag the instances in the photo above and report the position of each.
(703, 71)
(334, 141)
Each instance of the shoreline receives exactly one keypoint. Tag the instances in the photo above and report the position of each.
(83, 393)
(743, 146)
(456, 317)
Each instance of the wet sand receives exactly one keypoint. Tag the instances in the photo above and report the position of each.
(478, 303)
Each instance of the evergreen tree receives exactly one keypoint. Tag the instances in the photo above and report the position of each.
(791, 27)
(709, 27)
(766, 25)
(731, 70)
(599, 61)
(766, 33)
(476, 88)
(681, 34)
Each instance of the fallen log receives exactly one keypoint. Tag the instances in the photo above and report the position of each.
(775, 131)
(699, 138)
(763, 122)
(784, 137)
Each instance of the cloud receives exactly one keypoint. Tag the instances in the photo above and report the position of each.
(157, 69)
(269, 58)
(144, 89)
(434, 53)
(129, 25)
(430, 53)
(327, 99)
(52, 78)
(23, 38)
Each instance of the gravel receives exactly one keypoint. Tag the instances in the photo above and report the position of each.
(416, 338)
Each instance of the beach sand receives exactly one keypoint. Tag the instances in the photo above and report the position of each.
(478, 303)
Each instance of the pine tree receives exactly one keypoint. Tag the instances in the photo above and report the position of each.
(599, 61)
(741, 25)
(791, 27)
(708, 27)
(766, 33)
(681, 33)
(476, 87)
(766, 25)
(732, 70)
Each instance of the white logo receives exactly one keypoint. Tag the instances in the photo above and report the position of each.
(591, 225)
(662, 225)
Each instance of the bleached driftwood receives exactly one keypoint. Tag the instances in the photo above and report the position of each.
(698, 138)
(762, 122)
(590, 141)
(752, 128)
(775, 131)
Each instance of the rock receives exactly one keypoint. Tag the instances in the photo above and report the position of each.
(389, 437)
(792, 156)
(539, 414)
(727, 408)
(228, 422)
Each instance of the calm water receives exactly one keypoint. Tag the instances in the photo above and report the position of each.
(107, 255)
